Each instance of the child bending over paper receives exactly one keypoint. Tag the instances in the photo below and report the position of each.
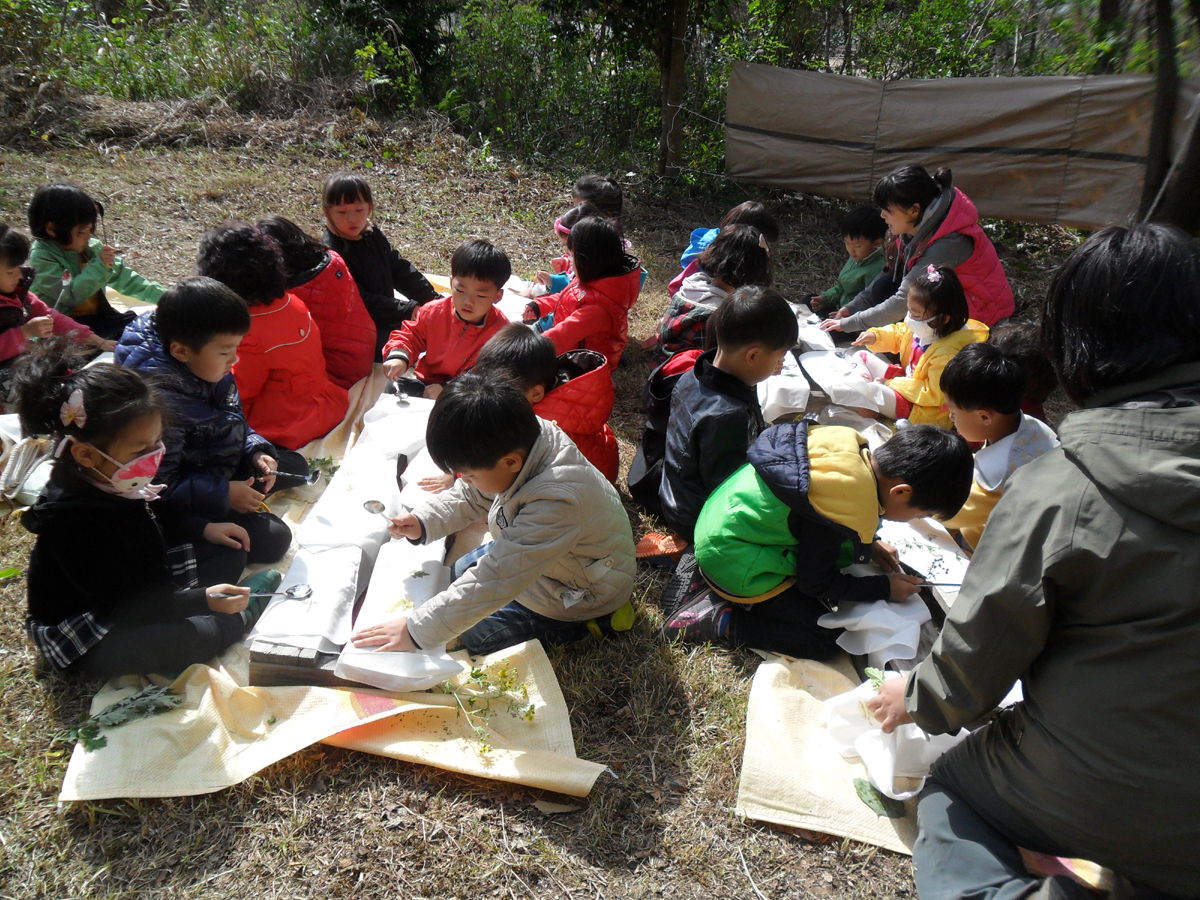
(563, 550)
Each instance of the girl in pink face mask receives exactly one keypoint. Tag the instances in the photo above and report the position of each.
(116, 585)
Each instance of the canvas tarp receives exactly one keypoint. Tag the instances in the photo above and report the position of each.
(1069, 149)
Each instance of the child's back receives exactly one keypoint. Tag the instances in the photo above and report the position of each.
(581, 404)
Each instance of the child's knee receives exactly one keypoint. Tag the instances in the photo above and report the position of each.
(270, 538)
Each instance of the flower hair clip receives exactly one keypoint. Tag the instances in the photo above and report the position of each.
(762, 242)
(934, 275)
(561, 228)
(72, 412)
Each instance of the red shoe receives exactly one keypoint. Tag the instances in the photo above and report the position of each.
(661, 549)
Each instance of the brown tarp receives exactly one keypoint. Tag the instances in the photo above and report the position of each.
(1069, 149)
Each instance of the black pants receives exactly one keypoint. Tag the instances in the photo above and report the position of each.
(109, 323)
(785, 624)
(270, 536)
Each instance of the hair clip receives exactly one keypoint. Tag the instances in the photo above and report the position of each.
(72, 412)
(561, 228)
(934, 275)
(762, 242)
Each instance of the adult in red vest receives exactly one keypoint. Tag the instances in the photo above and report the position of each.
(935, 224)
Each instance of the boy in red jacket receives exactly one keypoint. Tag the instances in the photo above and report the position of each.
(447, 334)
(575, 390)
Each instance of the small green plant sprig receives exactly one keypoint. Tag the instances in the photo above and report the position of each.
(876, 677)
(325, 465)
(478, 697)
(149, 701)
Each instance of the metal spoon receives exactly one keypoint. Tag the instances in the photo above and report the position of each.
(375, 507)
(295, 592)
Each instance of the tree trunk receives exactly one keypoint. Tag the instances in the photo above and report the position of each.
(1106, 29)
(1166, 96)
(1178, 202)
(670, 142)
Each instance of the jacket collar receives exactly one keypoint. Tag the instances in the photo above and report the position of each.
(541, 454)
(721, 381)
(1172, 376)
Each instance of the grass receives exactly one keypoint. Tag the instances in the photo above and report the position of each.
(669, 721)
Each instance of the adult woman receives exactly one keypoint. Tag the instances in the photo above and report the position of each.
(1086, 586)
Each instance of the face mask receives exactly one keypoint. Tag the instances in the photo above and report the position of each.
(920, 328)
(132, 479)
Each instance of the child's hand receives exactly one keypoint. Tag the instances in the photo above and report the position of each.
(394, 368)
(268, 465)
(391, 635)
(227, 534)
(243, 497)
(38, 327)
(832, 323)
(903, 586)
(888, 704)
(433, 391)
(866, 339)
(543, 278)
(814, 302)
(885, 556)
(531, 314)
(94, 340)
(234, 604)
(560, 265)
(108, 256)
(435, 484)
(405, 526)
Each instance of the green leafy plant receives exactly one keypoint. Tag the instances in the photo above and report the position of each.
(325, 465)
(147, 702)
(876, 677)
(877, 801)
(483, 693)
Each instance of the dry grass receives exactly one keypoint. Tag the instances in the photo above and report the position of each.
(669, 721)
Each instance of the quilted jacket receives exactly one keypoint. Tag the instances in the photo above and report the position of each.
(206, 436)
(347, 330)
(22, 305)
(645, 472)
(563, 545)
(594, 316)
(280, 372)
(437, 344)
(581, 404)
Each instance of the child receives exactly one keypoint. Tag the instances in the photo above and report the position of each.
(593, 312)
(574, 391)
(23, 317)
(73, 268)
(563, 266)
(715, 414)
(286, 393)
(748, 213)
(862, 230)
(603, 193)
(106, 595)
(984, 388)
(378, 269)
(443, 340)
(773, 539)
(936, 328)
(1022, 341)
(216, 467)
(320, 278)
(738, 256)
(563, 551)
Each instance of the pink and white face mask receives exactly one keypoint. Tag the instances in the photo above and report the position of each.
(132, 479)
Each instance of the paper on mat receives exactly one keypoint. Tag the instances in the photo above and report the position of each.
(811, 335)
(927, 547)
(786, 393)
(791, 772)
(880, 630)
(844, 379)
(322, 622)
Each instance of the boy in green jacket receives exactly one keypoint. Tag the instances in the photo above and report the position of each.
(773, 539)
(863, 229)
(72, 267)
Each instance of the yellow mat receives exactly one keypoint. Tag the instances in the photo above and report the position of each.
(792, 774)
(225, 732)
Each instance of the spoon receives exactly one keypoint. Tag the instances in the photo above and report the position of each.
(377, 508)
(295, 592)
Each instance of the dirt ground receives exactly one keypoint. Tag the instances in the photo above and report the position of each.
(669, 721)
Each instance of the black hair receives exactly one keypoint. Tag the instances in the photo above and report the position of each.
(518, 352)
(476, 421)
(937, 465)
(14, 246)
(982, 376)
(597, 247)
(196, 310)
(46, 375)
(910, 186)
(864, 221)
(1022, 342)
(754, 315)
(1123, 307)
(479, 259)
(301, 252)
(737, 257)
(602, 192)
(245, 259)
(64, 204)
(753, 213)
(345, 187)
(575, 213)
(943, 297)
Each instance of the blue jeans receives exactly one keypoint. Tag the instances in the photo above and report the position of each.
(515, 624)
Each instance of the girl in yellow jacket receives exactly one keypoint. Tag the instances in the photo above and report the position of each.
(936, 328)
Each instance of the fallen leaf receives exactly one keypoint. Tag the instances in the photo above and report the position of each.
(546, 808)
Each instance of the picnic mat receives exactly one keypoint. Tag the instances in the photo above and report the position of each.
(224, 732)
(791, 772)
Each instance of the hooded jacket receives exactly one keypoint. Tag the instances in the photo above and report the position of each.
(1086, 586)
(715, 417)
(17, 308)
(803, 508)
(347, 330)
(280, 372)
(645, 472)
(684, 325)
(437, 344)
(206, 436)
(581, 404)
(563, 546)
(595, 315)
(74, 286)
(921, 387)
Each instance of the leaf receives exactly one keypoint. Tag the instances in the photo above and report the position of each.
(9, 572)
(876, 677)
(880, 804)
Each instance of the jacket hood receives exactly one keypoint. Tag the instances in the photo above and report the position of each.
(1148, 459)
(584, 401)
(617, 291)
(699, 288)
(68, 496)
(301, 278)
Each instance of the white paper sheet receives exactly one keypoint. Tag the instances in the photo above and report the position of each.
(811, 335)
(846, 380)
(786, 393)
(928, 548)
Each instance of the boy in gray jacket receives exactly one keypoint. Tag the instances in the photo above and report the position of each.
(563, 548)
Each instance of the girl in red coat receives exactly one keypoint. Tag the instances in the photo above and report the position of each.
(280, 371)
(592, 313)
(319, 276)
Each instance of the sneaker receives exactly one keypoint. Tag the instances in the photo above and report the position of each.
(684, 585)
(697, 621)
